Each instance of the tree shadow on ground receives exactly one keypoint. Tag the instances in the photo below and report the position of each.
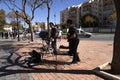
(8, 69)
(6, 72)
(12, 60)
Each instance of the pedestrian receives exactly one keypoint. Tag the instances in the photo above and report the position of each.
(6, 35)
(53, 36)
(73, 41)
(10, 35)
(2, 33)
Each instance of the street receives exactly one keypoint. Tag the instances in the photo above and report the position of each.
(95, 37)
(100, 37)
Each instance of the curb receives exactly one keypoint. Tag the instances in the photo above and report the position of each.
(106, 75)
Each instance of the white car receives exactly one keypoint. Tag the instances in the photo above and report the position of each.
(37, 32)
(82, 33)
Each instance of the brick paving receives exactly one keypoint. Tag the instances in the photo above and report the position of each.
(92, 54)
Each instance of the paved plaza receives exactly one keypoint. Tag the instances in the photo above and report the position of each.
(92, 54)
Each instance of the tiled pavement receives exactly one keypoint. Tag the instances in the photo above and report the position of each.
(92, 54)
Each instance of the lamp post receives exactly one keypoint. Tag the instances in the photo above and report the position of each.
(48, 17)
(55, 18)
(17, 26)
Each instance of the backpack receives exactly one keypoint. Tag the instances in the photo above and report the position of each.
(34, 59)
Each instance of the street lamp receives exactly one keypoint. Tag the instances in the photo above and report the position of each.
(17, 26)
(48, 17)
(55, 18)
(48, 2)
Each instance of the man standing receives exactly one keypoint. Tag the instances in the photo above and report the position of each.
(73, 41)
(53, 36)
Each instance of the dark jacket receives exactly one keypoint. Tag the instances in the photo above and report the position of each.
(72, 31)
(54, 33)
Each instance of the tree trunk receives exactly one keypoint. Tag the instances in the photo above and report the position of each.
(115, 66)
(31, 31)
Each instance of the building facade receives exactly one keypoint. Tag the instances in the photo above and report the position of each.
(38, 26)
(64, 15)
(108, 10)
(102, 9)
(85, 8)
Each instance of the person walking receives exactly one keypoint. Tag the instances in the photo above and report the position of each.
(2, 33)
(73, 41)
(53, 36)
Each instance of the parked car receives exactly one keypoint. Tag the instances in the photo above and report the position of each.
(82, 33)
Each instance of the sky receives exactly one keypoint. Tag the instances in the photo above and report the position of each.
(56, 7)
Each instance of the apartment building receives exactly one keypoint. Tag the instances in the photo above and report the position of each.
(96, 7)
(100, 12)
(85, 8)
(64, 15)
(108, 9)
(38, 26)
(102, 9)
(79, 9)
(73, 12)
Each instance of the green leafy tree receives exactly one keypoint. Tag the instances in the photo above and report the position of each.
(2, 20)
(63, 26)
(43, 26)
(13, 18)
(89, 20)
(112, 16)
(14, 24)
